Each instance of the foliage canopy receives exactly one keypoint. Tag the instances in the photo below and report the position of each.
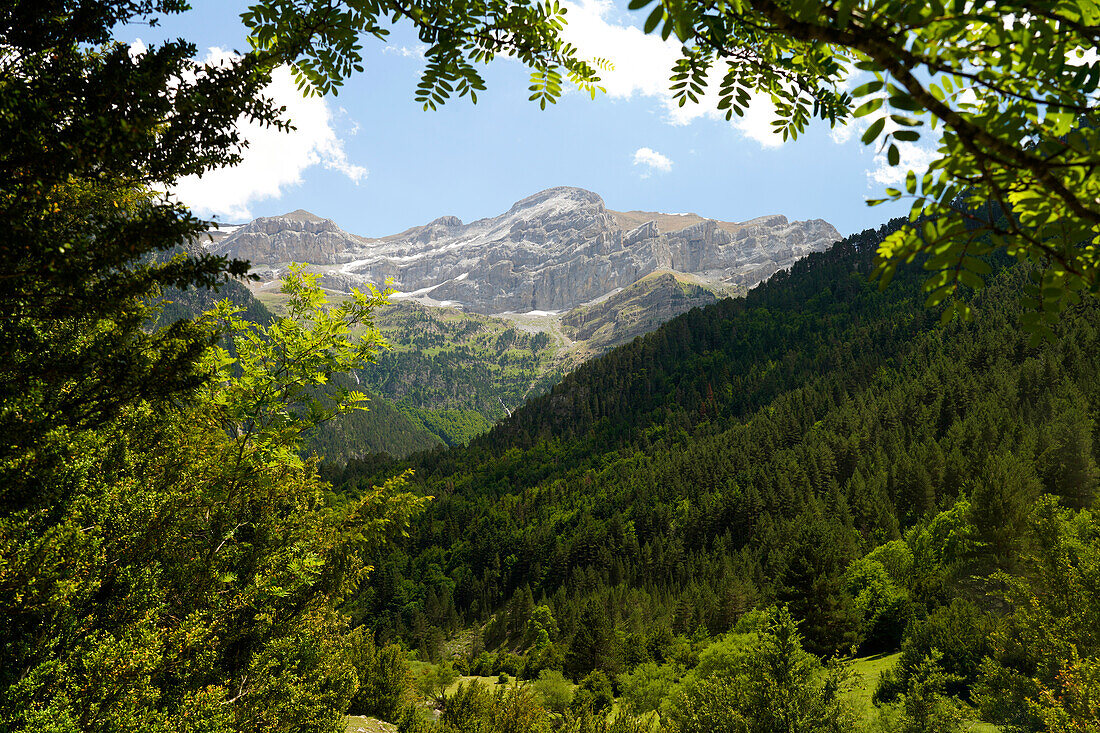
(1009, 88)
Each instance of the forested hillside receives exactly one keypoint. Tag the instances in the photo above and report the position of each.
(457, 373)
(382, 429)
(818, 444)
(636, 446)
(813, 510)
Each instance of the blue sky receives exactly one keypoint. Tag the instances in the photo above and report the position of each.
(375, 162)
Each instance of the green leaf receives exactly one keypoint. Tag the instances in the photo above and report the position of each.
(975, 265)
(966, 277)
(654, 18)
(868, 107)
(869, 88)
(873, 131)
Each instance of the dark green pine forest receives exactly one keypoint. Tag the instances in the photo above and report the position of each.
(818, 446)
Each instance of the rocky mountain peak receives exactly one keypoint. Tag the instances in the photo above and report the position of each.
(557, 199)
(299, 236)
(551, 251)
(301, 215)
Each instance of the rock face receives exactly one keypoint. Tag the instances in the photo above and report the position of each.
(295, 237)
(637, 310)
(550, 252)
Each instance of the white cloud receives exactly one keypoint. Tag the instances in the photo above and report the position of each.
(913, 157)
(274, 160)
(409, 52)
(843, 133)
(643, 64)
(652, 160)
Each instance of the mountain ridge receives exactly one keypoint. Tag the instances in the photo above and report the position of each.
(551, 251)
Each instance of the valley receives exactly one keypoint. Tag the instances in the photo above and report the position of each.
(467, 349)
(578, 469)
(816, 448)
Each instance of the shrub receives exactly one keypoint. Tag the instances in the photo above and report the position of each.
(511, 664)
(647, 686)
(483, 665)
(383, 679)
(594, 694)
(961, 632)
(555, 691)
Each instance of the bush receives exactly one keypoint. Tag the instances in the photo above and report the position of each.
(779, 686)
(468, 705)
(516, 710)
(555, 691)
(511, 664)
(483, 665)
(961, 632)
(889, 687)
(383, 679)
(594, 694)
(647, 686)
(503, 678)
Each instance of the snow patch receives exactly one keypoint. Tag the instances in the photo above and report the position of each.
(399, 295)
(347, 269)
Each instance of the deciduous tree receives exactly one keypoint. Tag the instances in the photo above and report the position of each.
(1006, 91)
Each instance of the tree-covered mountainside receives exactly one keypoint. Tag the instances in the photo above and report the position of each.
(457, 373)
(625, 445)
(451, 374)
(785, 448)
(382, 428)
(636, 310)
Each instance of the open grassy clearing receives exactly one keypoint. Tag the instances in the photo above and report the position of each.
(861, 687)
(865, 674)
(362, 724)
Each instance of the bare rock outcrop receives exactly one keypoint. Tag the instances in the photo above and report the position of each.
(552, 251)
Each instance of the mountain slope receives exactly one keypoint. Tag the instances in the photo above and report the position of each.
(655, 299)
(382, 428)
(746, 452)
(563, 277)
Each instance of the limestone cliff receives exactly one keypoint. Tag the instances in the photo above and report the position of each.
(552, 251)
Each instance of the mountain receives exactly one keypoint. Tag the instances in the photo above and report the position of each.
(383, 428)
(295, 237)
(457, 373)
(552, 251)
(817, 445)
(633, 311)
(742, 453)
(498, 310)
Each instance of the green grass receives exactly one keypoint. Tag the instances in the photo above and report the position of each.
(979, 727)
(362, 724)
(865, 673)
(490, 682)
